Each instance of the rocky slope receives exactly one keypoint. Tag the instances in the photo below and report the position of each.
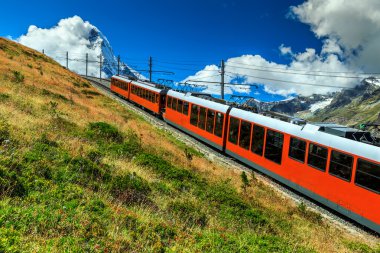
(353, 107)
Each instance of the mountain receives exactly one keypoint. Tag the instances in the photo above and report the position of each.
(98, 42)
(354, 106)
(79, 39)
(293, 105)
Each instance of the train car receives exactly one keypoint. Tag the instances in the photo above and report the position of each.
(203, 119)
(340, 173)
(141, 93)
(120, 85)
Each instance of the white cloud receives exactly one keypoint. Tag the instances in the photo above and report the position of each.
(351, 28)
(77, 37)
(350, 31)
(256, 69)
(69, 35)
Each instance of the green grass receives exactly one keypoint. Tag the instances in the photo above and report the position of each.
(75, 177)
(47, 193)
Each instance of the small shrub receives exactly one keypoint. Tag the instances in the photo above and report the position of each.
(96, 206)
(53, 95)
(310, 215)
(88, 171)
(11, 184)
(10, 240)
(18, 77)
(81, 84)
(164, 168)
(245, 181)
(95, 156)
(90, 93)
(360, 247)
(30, 65)
(131, 189)
(188, 212)
(128, 149)
(104, 131)
(164, 231)
(53, 109)
(4, 130)
(121, 183)
(4, 97)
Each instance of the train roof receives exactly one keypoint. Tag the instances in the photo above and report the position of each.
(199, 101)
(138, 83)
(312, 132)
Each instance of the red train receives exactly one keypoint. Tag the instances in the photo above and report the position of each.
(321, 161)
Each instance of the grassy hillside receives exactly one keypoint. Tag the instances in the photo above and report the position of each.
(81, 173)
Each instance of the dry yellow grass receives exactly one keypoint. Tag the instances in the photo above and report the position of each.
(30, 113)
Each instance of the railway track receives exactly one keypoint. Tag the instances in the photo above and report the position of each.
(221, 159)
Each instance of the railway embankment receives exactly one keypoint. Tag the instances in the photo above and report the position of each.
(80, 172)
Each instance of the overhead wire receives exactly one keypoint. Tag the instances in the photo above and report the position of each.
(295, 73)
(285, 81)
(302, 70)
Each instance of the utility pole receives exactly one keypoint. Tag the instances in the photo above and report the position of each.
(67, 60)
(86, 64)
(150, 69)
(118, 65)
(222, 79)
(100, 68)
(43, 51)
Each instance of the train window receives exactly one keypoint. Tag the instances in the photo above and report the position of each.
(210, 121)
(219, 124)
(202, 118)
(169, 102)
(174, 104)
(180, 105)
(185, 108)
(151, 97)
(368, 175)
(234, 130)
(341, 165)
(245, 134)
(157, 98)
(297, 149)
(317, 157)
(257, 146)
(194, 115)
(273, 146)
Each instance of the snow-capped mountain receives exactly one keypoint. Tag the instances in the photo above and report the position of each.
(79, 38)
(98, 42)
(294, 105)
(308, 106)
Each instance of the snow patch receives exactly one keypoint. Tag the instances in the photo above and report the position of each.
(320, 105)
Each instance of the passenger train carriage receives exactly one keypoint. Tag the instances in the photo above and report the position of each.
(340, 173)
(140, 93)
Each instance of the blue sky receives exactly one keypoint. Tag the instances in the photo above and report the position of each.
(185, 36)
(205, 31)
